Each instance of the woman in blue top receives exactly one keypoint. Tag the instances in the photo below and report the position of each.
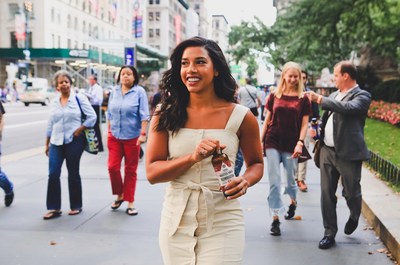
(65, 140)
(128, 114)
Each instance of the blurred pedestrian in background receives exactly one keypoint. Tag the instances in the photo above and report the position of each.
(128, 115)
(95, 95)
(5, 183)
(155, 100)
(248, 96)
(199, 225)
(283, 133)
(65, 141)
(263, 99)
(301, 172)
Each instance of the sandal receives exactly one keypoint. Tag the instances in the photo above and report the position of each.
(116, 204)
(52, 214)
(131, 211)
(75, 212)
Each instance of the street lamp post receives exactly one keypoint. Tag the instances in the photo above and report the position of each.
(28, 8)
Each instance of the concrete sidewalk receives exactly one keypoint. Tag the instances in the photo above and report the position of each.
(102, 236)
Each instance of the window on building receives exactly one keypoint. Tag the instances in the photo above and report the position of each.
(53, 41)
(69, 21)
(69, 43)
(76, 23)
(157, 47)
(217, 24)
(76, 45)
(96, 32)
(151, 33)
(157, 33)
(157, 16)
(157, 2)
(59, 42)
(84, 26)
(151, 2)
(13, 8)
(151, 16)
(90, 30)
(83, 5)
(58, 17)
(52, 14)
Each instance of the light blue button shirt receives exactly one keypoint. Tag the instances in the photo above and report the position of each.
(64, 120)
(95, 95)
(126, 112)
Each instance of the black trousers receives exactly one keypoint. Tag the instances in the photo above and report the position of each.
(332, 169)
(96, 127)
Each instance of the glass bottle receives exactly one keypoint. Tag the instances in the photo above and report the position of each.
(223, 167)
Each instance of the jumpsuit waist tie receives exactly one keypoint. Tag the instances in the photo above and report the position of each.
(186, 190)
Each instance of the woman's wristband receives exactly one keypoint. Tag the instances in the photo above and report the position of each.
(143, 133)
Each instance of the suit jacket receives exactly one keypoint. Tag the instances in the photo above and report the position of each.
(349, 116)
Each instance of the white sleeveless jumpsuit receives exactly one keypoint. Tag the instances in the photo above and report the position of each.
(198, 225)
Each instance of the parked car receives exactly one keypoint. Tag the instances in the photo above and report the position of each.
(37, 90)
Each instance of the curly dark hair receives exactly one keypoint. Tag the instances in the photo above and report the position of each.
(175, 98)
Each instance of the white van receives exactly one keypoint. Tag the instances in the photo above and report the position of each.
(37, 90)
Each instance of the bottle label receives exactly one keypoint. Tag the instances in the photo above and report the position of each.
(225, 173)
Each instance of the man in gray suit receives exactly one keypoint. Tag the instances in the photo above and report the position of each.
(343, 148)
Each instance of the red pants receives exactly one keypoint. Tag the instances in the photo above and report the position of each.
(117, 149)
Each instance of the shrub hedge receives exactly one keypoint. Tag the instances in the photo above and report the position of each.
(388, 91)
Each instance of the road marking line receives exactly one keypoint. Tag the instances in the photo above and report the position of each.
(25, 113)
(21, 155)
(24, 124)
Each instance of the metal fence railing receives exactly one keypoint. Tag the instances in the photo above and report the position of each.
(386, 169)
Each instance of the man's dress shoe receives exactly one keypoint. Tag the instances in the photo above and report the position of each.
(350, 226)
(326, 242)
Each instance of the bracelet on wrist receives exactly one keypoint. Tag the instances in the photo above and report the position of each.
(143, 134)
(301, 141)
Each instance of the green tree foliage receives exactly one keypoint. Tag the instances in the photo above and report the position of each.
(319, 33)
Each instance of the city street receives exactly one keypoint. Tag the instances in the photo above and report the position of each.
(104, 237)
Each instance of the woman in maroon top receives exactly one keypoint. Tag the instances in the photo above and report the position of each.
(284, 130)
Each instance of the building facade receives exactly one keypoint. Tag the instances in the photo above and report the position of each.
(200, 8)
(86, 36)
(219, 32)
